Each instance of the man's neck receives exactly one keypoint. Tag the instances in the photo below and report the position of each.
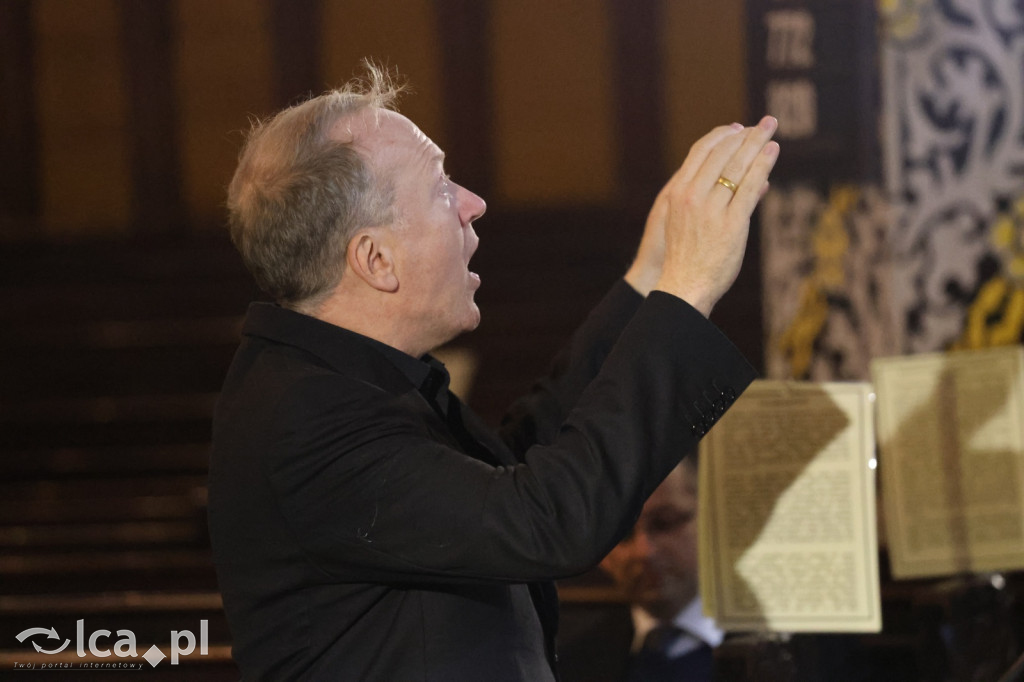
(374, 319)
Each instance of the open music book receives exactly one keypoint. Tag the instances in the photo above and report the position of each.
(951, 450)
(787, 512)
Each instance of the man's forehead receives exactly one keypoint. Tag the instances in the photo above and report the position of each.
(676, 490)
(373, 127)
(387, 138)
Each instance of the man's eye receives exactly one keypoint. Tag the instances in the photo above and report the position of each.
(664, 524)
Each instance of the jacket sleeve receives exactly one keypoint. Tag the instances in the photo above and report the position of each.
(370, 497)
(536, 417)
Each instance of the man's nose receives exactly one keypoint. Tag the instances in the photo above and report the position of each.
(642, 545)
(471, 206)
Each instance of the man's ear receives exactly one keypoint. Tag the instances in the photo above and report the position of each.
(369, 256)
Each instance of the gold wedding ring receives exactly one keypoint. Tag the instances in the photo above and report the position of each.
(727, 183)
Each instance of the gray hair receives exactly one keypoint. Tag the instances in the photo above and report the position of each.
(298, 197)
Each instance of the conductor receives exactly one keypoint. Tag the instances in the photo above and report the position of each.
(366, 525)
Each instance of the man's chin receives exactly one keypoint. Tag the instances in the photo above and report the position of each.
(647, 598)
(474, 318)
(471, 322)
(660, 608)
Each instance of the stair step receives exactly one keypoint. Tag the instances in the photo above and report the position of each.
(186, 505)
(109, 409)
(104, 461)
(34, 374)
(121, 334)
(24, 436)
(107, 571)
(150, 615)
(112, 487)
(94, 535)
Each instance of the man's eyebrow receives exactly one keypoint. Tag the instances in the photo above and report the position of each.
(438, 159)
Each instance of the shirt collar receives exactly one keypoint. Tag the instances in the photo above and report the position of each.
(427, 373)
(691, 620)
(332, 343)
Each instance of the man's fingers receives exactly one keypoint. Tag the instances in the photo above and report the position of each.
(701, 149)
(755, 182)
(734, 166)
(706, 180)
(739, 163)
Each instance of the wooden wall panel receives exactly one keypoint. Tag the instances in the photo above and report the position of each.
(553, 85)
(224, 78)
(82, 113)
(705, 86)
(639, 100)
(19, 195)
(465, 40)
(295, 37)
(399, 33)
(148, 46)
(705, 72)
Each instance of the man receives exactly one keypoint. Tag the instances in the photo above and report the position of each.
(365, 524)
(656, 568)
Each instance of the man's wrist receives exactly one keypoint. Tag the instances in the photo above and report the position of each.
(698, 297)
(642, 278)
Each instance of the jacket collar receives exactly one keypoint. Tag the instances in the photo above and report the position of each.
(350, 353)
(345, 350)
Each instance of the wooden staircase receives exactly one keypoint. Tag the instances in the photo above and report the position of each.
(111, 357)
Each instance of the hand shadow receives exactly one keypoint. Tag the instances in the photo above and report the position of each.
(761, 448)
(951, 499)
(943, 481)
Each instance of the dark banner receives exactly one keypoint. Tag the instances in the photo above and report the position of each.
(813, 66)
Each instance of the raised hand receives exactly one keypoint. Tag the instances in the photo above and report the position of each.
(699, 223)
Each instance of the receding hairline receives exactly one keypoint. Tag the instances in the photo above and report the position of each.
(377, 90)
(359, 128)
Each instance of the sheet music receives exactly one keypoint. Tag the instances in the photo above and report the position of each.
(951, 444)
(787, 511)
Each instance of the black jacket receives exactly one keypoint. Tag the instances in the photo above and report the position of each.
(360, 534)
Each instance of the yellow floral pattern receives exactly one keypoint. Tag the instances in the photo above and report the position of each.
(996, 317)
(901, 19)
(830, 241)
